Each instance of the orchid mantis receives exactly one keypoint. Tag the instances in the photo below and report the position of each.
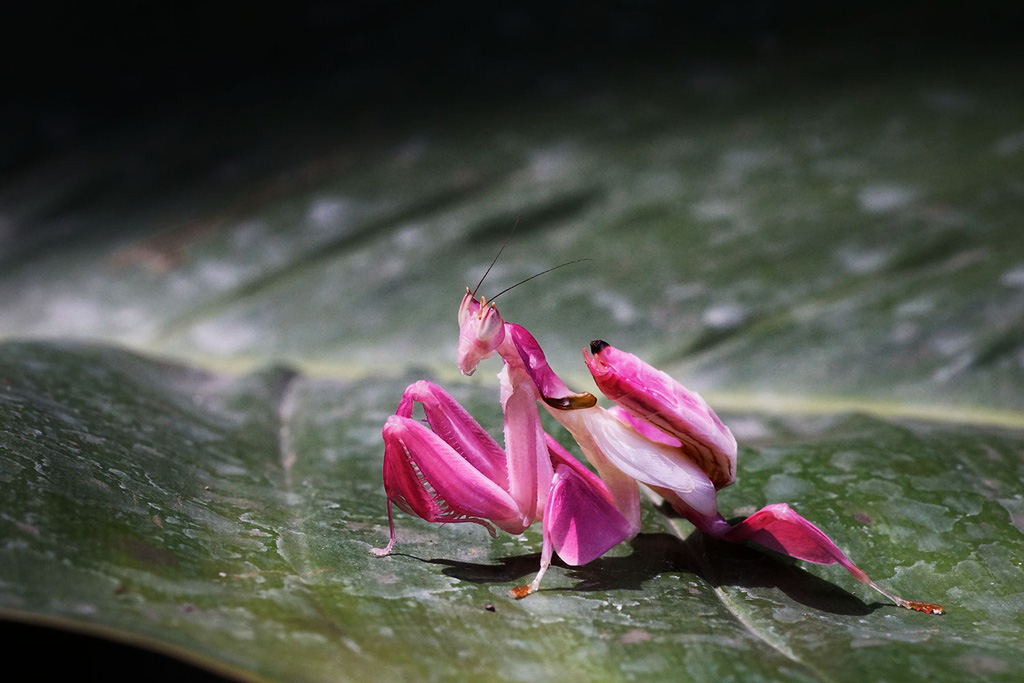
(659, 434)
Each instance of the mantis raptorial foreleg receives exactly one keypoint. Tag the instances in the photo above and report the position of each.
(453, 471)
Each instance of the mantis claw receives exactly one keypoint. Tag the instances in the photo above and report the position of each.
(520, 592)
(926, 607)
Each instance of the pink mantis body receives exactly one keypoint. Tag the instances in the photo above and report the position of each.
(659, 434)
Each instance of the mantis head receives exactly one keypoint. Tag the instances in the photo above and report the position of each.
(481, 331)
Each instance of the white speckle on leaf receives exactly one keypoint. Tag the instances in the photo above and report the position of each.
(411, 237)
(715, 209)
(132, 317)
(220, 275)
(860, 260)
(847, 461)
(684, 291)
(788, 615)
(1013, 278)
(621, 308)
(248, 235)
(85, 609)
(660, 184)
(913, 308)
(550, 163)
(884, 198)
(224, 337)
(749, 429)
(635, 635)
(951, 343)
(785, 487)
(724, 316)
(904, 332)
(950, 370)
(74, 314)
(228, 470)
(325, 212)
(1009, 144)
(390, 267)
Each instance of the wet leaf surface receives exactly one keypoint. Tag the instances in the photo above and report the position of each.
(196, 363)
(230, 518)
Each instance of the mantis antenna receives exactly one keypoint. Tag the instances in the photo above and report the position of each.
(505, 244)
(543, 272)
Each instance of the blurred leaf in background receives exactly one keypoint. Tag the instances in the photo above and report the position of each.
(221, 262)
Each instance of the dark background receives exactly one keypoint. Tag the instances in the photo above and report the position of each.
(76, 70)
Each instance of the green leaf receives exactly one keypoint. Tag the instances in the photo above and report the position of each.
(198, 470)
(229, 520)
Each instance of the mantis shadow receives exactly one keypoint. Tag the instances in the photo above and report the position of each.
(718, 563)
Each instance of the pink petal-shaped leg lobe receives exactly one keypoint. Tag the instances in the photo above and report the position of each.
(604, 437)
(426, 477)
(580, 523)
(452, 471)
(777, 527)
(450, 421)
(581, 520)
(646, 428)
(659, 400)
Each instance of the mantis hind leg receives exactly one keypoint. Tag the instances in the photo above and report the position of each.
(778, 527)
(580, 523)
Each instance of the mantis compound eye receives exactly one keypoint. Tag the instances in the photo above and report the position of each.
(466, 306)
(490, 324)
